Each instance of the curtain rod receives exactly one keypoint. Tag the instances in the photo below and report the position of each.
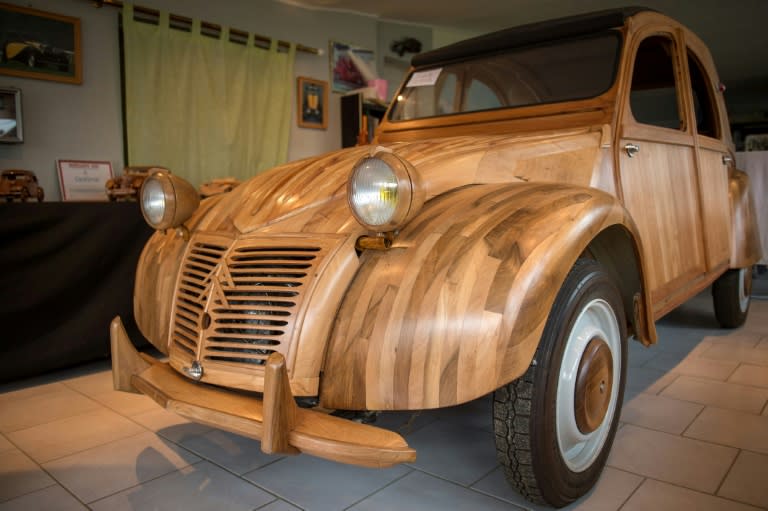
(210, 26)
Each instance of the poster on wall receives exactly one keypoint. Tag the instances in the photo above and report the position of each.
(313, 98)
(39, 44)
(83, 180)
(351, 66)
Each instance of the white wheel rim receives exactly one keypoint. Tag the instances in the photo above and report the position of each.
(577, 449)
(743, 294)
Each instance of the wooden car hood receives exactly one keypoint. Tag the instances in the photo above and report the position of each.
(308, 185)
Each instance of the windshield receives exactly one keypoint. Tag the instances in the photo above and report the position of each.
(547, 73)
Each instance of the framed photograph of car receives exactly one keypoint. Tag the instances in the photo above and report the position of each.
(312, 105)
(38, 44)
(11, 128)
(351, 66)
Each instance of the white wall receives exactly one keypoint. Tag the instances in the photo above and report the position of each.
(63, 121)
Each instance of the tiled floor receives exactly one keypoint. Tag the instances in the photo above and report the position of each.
(694, 435)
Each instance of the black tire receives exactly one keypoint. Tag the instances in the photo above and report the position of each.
(731, 296)
(525, 412)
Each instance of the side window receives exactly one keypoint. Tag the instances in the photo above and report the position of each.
(480, 97)
(446, 100)
(653, 96)
(707, 121)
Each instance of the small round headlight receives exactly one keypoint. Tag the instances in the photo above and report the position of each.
(167, 200)
(383, 192)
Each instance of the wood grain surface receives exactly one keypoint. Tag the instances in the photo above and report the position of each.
(456, 307)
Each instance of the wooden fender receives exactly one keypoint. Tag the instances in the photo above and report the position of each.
(456, 308)
(745, 241)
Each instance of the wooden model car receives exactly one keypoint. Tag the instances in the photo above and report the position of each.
(217, 186)
(20, 185)
(126, 187)
(532, 198)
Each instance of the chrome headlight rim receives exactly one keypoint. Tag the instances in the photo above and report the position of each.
(160, 186)
(409, 193)
(167, 201)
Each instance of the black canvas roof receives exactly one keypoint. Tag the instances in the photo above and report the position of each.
(529, 34)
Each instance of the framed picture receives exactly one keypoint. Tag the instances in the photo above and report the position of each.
(313, 103)
(11, 128)
(82, 180)
(351, 66)
(38, 44)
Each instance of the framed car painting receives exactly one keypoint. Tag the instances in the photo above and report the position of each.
(312, 103)
(39, 44)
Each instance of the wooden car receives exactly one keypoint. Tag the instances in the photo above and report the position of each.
(532, 199)
(20, 185)
(126, 186)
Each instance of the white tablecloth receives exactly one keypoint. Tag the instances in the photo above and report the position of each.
(755, 164)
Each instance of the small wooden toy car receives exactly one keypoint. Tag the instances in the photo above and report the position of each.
(126, 186)
(20, 185)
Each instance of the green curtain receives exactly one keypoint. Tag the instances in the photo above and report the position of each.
(204, 107)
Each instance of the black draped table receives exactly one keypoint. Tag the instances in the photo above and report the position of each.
(66, 269)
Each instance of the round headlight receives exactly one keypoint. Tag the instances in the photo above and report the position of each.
(167, 200)
(381, 192)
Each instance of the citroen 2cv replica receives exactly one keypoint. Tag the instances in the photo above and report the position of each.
(532, 198)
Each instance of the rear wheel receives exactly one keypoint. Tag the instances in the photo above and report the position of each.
(555, 425)
(731, 294)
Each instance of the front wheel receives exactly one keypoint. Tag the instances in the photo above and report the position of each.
(554, 426)
(731, 294)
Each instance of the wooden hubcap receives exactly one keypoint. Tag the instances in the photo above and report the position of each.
(594, 383)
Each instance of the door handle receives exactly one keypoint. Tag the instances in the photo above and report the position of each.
(727, 160)
(632, 149)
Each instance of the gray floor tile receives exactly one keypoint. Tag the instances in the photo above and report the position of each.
(169, 425)
(236, 453)
(53, 498)
(199, 487)
(610, 492)
(419, 491)
(720, 394)
(405, 423)
(647, 380)
(30, 407)
(126, 403)
(660, 413)
(679, 363)
(659, 496)
(91, 384)
(315, 484)
(728, 427)
(670, 458)
(756, 376)
(639, 354)
(116, 466)
(741, 354)
(475, 414)
(746, 482)
(20, 475)
(454, 452)
(60, 438)
(5, 445)
(279, 505)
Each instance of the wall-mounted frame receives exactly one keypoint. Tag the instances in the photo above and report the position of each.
(312, 108)
(351, 66)
(11, 126)
(83, 180)
(39, 44)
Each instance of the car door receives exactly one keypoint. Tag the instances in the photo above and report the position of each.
(658, 169)
(714, 157)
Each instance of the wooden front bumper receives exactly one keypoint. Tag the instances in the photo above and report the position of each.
(275, 420)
